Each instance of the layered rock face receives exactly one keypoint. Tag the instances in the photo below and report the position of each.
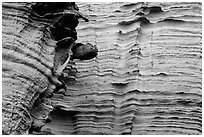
(26, 65)
(38, 41)
(146, 78)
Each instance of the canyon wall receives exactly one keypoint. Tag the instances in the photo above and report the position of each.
(147, 77)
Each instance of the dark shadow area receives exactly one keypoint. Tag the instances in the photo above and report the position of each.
(61, 122)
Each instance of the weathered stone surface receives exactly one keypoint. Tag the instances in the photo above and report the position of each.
(84, 51)
(30, 52)
(146, 78)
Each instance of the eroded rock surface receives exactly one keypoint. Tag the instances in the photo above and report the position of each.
(146, 78)
(37, 46)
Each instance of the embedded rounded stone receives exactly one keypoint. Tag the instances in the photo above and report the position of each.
(84, 51)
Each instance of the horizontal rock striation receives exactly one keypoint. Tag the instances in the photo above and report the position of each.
(26, 65)
(32, 35)
(146, 78)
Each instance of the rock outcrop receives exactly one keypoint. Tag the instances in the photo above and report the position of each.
(37, 46)
(146, 78)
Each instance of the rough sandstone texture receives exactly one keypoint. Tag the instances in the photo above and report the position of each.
(146, 78)
(34, 56)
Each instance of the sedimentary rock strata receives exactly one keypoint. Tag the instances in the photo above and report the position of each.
(146, 78)
(37, 45)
